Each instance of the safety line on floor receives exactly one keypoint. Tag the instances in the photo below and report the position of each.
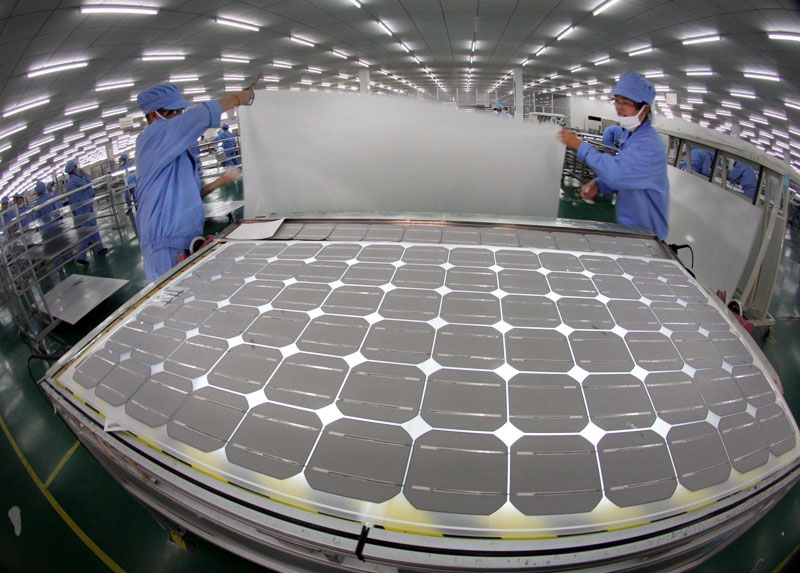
(110, 563)
(60, 465)
(785, 561)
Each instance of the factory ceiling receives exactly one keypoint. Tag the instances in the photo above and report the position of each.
(730, 62)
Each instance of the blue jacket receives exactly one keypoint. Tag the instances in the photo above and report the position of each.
(77, 200)
(131, 177)
(611, 135)
(170, 209)
(638, 173)
(45, 213)
(746, 177)
(702, 161)
(227, 138)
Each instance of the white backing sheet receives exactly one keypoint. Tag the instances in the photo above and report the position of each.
(719, 225)
(317, 152)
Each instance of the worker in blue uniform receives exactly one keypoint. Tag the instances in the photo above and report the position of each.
(7, 214)
(228, 146)
(169, 194)
(611, 135)
(22, 209)
(82, 203)
(745, 176)
(45, 214)
(638, 173)
(702, 161)
(130, 181)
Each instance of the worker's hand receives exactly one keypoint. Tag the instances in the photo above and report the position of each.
(231, 174)
(569, 139)
(589, 190)
(246, 97)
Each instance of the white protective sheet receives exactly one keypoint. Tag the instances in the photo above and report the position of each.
(317, 152)
(719, 225)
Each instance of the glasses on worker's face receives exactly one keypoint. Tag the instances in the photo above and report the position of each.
(620, 101)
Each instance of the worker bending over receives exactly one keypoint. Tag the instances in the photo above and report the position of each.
(169, 195)
(228, 146)
(82, 203)
(638, 173)
(745, 176)
(702, 161)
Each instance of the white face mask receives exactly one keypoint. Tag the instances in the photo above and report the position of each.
(630, 122)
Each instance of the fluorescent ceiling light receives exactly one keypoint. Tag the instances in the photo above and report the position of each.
(233, 88)
(355, 3)
(238, 24)
(747, 124)
(345, 56)
(278, 64)
(233, 78)
(362, 63)
(775, 114)
(81, 108)
(113, 86)
(89, 126)
(731, 104)
(473, 45)
(639, 51)
(314, 70)
(724, 112)
(26, 106)
(271, 79)
(115, 111)
(40, 71)
(755, 76)
(662, 88)
(564, 33)
(602, 61)
(700, 73)
(201, 98)
(701, 40)
(695, 100)
(792, 104)
(58, 126)
(302, 41)
(654, 75)
(306, 82)
(710, 115)
(234, 59)
(540, 50)
(760, 120)
(179, 79)
(575, 69)
(384, 27)
(39, 142)
(603, 7)
(748, 95)
(784, 36)
(162, 57)
(697, 90)
(73, 137)
(119, 10)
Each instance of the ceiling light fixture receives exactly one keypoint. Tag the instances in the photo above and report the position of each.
(784, 36)
(302, 41)
(775, 114)
(194, 91)
(355, 3)
(731, 104)
(26, 106)
(759, 120)
(113, 86)
(162, 57)
(602, 61)
(748, 95)
(758, 76)
(235, 59)
(701, 40)
(540, 50)
(39, 142)
(654, 75)
(384, 27)
(639, 51)
(233, 88)
(314, 70)
(564, 33)
(278, 64)
(42, 70)
(697, 90)
(233, 78)
(237, 24)
(271, 79)
(603, 7)
(115, 111)
(136, 10)
(179, 79)
(345, 56)
(575, 69)
(58, 126)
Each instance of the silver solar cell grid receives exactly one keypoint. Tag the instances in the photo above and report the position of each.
(445, 378)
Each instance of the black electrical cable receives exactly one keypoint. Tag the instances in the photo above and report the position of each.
(675, 248)
(52, 357)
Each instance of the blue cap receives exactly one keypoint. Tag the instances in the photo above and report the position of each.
(635, 88)
(497, 106)
(225, 126)
(4, 199)
(40, 188)
(50, 185)
(70, 166)
(18, 196)
(124, 156)
(162, 96)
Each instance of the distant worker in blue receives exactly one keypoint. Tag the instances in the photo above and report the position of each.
(228, 146)
(638, 173)
(22, 208)
(82, 203)
(169, 194)
(130, 181)
(497, 109)
(7, 213)
(745, 176)
(611, 135)
(702, 161)
(505, 113)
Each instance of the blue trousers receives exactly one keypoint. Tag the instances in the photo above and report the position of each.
(159, 262)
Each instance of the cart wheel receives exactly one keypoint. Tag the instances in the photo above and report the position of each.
(735, 306)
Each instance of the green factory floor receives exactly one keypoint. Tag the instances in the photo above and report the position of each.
(71, 515)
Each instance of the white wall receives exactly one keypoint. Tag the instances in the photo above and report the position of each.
(580, 107)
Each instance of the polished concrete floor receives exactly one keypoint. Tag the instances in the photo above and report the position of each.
(63, 512)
